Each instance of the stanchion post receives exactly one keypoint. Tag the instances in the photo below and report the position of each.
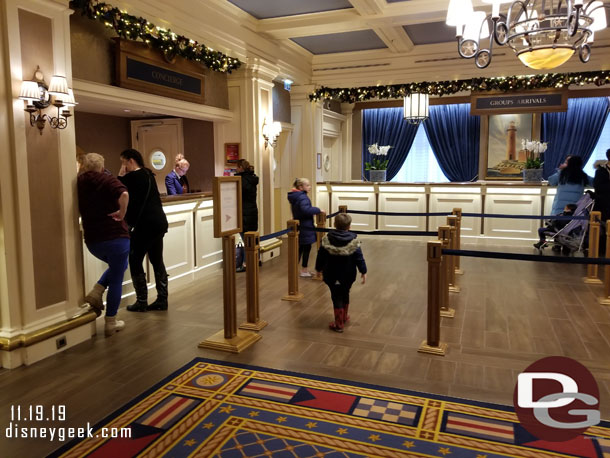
(594, 230)
(443, 236)
(606, 299)
(458, 239)
(320, 222)
(293, 261)
(433, 344)
(343, 208)
(252, 246)
(452, 223)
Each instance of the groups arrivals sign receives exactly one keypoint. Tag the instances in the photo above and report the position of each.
(518, 103)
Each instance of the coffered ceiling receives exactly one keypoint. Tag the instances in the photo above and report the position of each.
(342, 43)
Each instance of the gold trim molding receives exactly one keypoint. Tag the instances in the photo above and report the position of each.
(26, 340)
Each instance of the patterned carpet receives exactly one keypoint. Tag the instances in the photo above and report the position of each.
(215, 409)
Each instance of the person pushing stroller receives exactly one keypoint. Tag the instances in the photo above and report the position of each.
(554, 226)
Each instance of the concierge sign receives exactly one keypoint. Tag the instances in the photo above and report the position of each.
(141, 68)
(528, 102)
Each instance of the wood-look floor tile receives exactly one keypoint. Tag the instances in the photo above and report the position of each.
(441, 371)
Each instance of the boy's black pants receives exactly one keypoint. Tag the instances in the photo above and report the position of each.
(339, 293)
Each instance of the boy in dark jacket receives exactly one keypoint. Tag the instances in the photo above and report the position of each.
(338, 258)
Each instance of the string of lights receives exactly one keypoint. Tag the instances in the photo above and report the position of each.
(440, 88)
(170, 44)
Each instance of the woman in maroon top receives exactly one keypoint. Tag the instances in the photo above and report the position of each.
(102, 202)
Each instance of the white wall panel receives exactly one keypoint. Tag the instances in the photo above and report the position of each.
(443, 202)
(512, 205)
(402, 202)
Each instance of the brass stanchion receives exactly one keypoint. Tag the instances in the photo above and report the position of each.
(446, 311)
(606, 299)
(320, 222)
(452, 223)
(433, 344)
(230, 339)
(592, 271)
(293, 261)
(252, 246)
(458, 239)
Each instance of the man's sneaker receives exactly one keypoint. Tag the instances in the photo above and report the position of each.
(305, 274)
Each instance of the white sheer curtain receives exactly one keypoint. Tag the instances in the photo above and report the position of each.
(421, 164)
(599, 153)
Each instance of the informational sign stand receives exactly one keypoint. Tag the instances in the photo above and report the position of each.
(227, 222)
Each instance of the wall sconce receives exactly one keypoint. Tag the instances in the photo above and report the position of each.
(38, 97)
(271, 132)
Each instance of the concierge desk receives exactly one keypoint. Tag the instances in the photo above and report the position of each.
(512, 198)
(190, 250)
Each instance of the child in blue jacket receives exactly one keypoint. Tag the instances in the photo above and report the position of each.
(338, 258)
(303, 211)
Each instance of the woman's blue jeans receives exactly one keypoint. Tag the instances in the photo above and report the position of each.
(115, 253)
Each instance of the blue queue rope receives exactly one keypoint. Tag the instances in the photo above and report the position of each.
(363, 212)
(414, 233)
(332, 215)
(474, 215)
(275, 234)
(496, 215)
(525, 257)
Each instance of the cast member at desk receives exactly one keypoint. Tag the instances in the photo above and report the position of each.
(183, 179)
(172, 180)
(148, 224)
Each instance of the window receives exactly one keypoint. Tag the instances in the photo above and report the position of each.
(421, 164)
(599, 153)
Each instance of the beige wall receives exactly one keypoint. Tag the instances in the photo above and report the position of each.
(281, 103)
(43, 170)
(93, 59)
(199, 150)
(105, 135)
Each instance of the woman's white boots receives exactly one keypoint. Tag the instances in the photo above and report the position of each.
(113, 325)
(95, 298)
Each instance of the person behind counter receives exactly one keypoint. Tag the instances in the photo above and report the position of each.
(148, 225)
(102, 202)
(184, 182)
(172, 180)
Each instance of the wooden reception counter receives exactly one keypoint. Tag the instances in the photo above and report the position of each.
(506, 197)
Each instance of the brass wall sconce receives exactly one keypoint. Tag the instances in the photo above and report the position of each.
(38, 96)
(271, 132)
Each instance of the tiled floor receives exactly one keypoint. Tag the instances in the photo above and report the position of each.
(508, 314)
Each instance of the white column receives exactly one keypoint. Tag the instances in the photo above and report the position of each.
(41, 278)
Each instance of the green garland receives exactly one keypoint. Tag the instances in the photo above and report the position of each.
(171, 45)
(440, 88)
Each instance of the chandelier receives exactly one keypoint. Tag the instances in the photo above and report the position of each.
(543, 33)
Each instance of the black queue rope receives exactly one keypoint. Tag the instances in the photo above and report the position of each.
(525, 257)
(475, 215)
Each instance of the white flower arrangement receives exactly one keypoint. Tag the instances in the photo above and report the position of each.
(377, 163)
(533, 149)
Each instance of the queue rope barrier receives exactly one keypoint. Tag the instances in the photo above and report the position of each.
(473, 215)
(332, 215)
(275, 234)
(525, 257)
(413, 233)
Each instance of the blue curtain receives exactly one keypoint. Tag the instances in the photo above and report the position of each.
(573, 132)
(454, 137)
(386, 126)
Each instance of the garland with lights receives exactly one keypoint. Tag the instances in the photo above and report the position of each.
(440, 88)
(170, 44)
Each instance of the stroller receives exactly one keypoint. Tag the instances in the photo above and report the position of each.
(573, 236)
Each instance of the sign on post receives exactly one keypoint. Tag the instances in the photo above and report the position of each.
(227, 206)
